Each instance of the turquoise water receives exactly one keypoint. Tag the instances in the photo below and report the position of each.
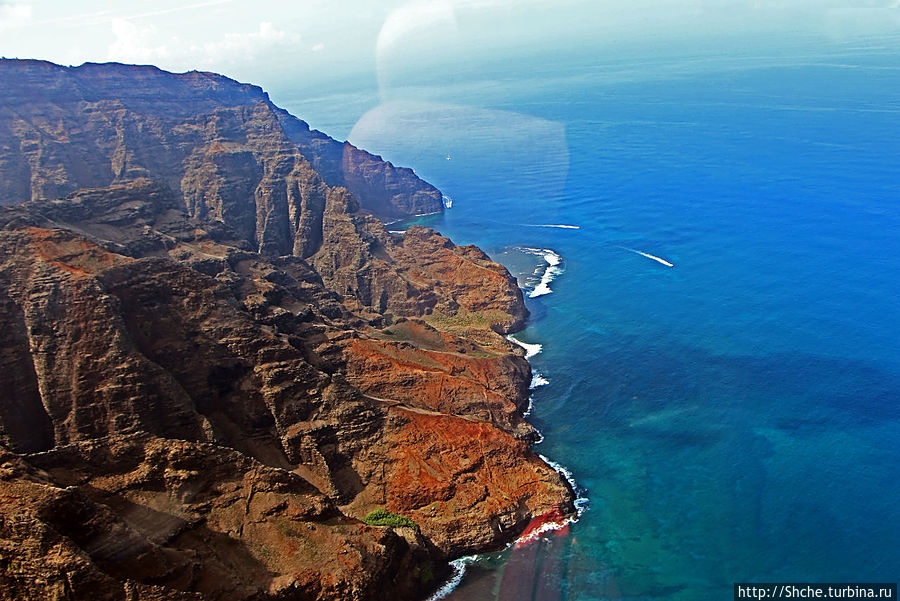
(734, 417)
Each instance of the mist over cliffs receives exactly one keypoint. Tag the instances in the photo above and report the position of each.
(216, 360)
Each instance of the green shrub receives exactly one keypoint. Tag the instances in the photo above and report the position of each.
(383, 517)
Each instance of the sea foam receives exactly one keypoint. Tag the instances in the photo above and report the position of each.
(530, 349)
(537, 379)
(530, 408)
(553, 269)
(581, 501)
(459, 570)
(541, 530)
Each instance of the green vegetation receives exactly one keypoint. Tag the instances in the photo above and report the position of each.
(383, 517)
(479, 320)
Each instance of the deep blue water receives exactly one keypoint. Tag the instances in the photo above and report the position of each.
(736, 417)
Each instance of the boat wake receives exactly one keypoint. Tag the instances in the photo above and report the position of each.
(559, 225)
(649, 256)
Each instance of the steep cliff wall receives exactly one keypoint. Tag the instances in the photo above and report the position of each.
(64, 129)
(216, 365)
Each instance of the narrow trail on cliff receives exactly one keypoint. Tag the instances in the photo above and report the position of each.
(403, 406)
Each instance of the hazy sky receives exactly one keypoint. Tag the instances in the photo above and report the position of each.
(264, 40)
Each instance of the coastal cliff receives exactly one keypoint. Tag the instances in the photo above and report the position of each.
(217, 361)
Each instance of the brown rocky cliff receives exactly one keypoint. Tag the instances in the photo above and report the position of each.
(219, 143)
(389, 191)
(419, 273)
(139, 517)
(200, 403)
(232, 157)
(413, 363)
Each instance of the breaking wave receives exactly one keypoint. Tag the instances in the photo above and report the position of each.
(459, 570)
(537, 379)
(530, 349)
(581, 501)
(553, 269)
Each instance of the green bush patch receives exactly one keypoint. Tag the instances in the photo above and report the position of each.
(383, 517)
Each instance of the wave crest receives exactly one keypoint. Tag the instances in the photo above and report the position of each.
(537, 379)
(530, 349)
(459, 570)
(553, 269)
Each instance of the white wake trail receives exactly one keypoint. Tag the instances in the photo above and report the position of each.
(559, 225)
(649, 256)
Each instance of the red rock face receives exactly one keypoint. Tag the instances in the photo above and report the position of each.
(451, 375)
(470, 486)
(213, 371)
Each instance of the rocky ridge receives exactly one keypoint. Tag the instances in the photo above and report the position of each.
(216, 361)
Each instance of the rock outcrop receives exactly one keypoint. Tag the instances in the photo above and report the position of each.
(215, 364)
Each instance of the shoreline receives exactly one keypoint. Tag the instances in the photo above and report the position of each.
(552, 521)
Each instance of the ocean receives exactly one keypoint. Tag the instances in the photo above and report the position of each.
(733, 417)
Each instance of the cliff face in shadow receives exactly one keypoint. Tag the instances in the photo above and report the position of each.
(215, 363)
(218, 144)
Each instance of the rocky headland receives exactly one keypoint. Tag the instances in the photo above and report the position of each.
(216, 361)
